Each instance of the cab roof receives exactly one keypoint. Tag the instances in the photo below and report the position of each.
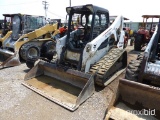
(11, 15)
(151, 16)
(86, 8)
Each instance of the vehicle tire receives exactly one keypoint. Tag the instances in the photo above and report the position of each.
(48, 46)
(138, 43)
(31, 62)
(48, 49)
(51, 55)
(29, 51)
(132, 70)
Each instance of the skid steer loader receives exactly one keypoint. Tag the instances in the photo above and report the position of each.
(28, 37)
(93, 53)
(141, 87)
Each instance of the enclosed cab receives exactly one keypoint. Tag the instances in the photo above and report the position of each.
(22, 23)
(84, 25)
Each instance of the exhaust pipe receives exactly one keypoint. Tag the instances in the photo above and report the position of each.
(66, 87)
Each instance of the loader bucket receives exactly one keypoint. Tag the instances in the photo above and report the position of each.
(66, 87)
(141, 95)
(8, 59)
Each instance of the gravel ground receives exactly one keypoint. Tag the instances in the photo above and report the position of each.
(20, 103)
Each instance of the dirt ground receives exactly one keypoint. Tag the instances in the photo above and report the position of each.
(20, 103)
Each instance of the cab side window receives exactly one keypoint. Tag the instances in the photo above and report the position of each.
(104, 22)
(100, 23)
(96, 29)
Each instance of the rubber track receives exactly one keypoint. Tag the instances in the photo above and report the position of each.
(101, 68)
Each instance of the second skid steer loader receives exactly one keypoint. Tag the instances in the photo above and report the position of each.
(92, 53)
(28, 37)
(141, 86)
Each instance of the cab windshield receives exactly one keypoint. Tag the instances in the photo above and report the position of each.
(33, 22)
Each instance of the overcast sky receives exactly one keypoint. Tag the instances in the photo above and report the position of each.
(132, 9)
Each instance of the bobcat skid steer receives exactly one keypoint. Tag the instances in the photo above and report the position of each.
(92, 53)
(141, 86)
(28, 37)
